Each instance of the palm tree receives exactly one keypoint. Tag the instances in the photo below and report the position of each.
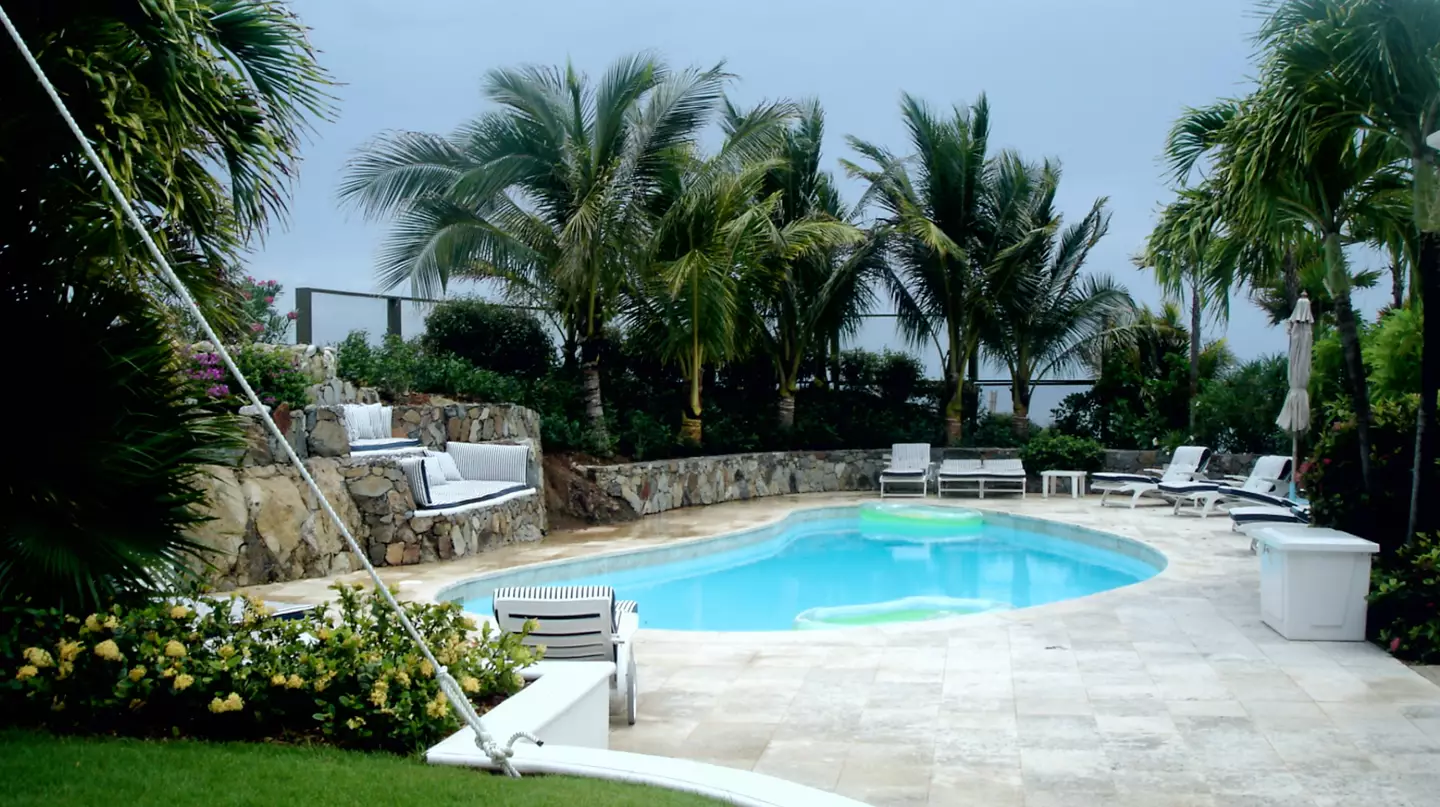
(815, 296)
(1277, 169)
(956, 230)
(717, 236)
(1056, 313)
(1381, 59)
(550, 193)
(1190, 253)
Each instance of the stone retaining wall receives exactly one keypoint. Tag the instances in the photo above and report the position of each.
(654, 487)
(658, 486)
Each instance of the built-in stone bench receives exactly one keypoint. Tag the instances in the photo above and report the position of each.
(266, 526)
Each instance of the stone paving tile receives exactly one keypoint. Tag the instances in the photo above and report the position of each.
(1168, 693)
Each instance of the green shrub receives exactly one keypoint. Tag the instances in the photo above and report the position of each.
(1405, 589)
(898, 376)
(1332, 479)
(492, 337)
(1051, 451)
(1235, 413)
(355, 359)
(995, 430)
(1392, 353)
(164, 670)
(105, 502)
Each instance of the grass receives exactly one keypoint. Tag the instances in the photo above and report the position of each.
(43, 769)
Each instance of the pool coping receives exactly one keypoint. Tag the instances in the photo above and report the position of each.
(546, 572)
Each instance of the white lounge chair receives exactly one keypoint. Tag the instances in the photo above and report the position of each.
(1187, 464)
(369, 430)
(909, 465)
(958, 476)
(467, 474)
(1266, 478)
(577, 623)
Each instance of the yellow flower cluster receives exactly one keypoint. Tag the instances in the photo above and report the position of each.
(427, 669)
(294, 682)
(355, 723)
(174, 649)
(68, 650)
(27, 671)
(470, 684)
(403, 677)
(323, 681)
(108, 650)
(379, 693)
(277, 680)
(179, 612)
(437, 707)
(37, 657)
(183, 681)
(231, 704)
(225, 651)
(95, 624)
(136, 673)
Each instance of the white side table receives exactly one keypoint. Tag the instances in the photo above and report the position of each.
(1047, 482)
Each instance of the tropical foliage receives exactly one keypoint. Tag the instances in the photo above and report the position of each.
(352, 678)
(197, 107)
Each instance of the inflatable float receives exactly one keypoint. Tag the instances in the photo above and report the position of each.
(907, 609)
(898, 521)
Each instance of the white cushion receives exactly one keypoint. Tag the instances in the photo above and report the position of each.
(447, 464)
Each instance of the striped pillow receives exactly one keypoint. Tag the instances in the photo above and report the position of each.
(490, 462)
(447, 464)
(414, 470)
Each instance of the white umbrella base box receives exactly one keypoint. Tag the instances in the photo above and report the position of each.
(1313, 582)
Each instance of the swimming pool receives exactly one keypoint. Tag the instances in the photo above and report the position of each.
(834, 569)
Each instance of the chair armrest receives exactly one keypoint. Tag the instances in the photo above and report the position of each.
(625, 629)
(1237, 477)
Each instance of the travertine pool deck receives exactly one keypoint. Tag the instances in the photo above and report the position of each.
(1168, 692)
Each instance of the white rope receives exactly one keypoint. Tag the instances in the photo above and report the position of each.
(498, 754)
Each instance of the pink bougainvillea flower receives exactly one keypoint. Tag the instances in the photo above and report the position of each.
(257, 327)
(292, 315)
(247, 295)
(269, 300)
(1394, 644)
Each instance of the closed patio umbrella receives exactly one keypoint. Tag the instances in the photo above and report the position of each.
(1295, 414)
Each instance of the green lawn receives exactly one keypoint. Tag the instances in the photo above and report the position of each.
(41, 769)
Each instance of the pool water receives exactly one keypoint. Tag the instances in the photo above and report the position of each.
(827, 563)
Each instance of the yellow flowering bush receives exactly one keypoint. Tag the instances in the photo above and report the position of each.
(352, 678)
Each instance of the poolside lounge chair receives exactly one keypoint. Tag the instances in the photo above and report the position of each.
(1265, 479)
(368, 429)
(1187, 464)
(468, 474)
(958, 476)
(909, 465)
(577, 623)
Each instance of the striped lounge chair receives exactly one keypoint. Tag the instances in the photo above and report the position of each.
(577, 623)
(1266, 478)
(1187, 465)
(368, 430)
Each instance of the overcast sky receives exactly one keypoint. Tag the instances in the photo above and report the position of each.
(1094, 84)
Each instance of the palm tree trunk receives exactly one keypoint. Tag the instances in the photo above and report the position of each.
(955, 409)
(594, 405)
(1290, 272)
(1424, 514)
(690, 424)
(1339, 283)
(1195, 311)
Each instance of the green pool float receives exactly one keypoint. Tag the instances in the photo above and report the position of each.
(907, 609)
(928, 518)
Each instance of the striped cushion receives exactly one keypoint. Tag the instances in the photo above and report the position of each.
(554, 593)
(1255, 496)
(491, 462)
(1186, 488)
(414, 470)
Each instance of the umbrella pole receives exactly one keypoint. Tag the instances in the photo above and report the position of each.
(1294, 464)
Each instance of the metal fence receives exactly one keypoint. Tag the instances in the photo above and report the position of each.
(879, 330)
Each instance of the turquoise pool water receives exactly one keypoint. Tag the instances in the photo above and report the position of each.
(841, 572)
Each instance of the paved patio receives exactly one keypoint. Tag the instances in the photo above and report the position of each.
(1169, 692)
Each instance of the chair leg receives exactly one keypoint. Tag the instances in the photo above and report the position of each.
(632, 692)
